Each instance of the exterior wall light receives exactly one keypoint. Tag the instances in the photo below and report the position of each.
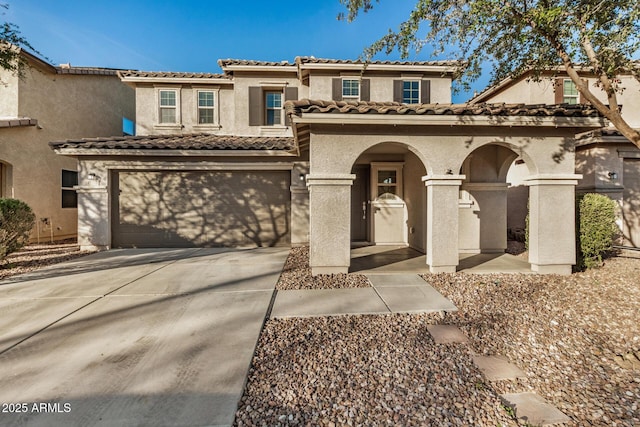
(93, 177)
(613, 176)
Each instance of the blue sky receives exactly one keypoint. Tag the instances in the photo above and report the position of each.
(192, 35)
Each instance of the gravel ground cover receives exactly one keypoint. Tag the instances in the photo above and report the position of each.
(364, 370)
(296, 274)
(33, 257)
(577, 337)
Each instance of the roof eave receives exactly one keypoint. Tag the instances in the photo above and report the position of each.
(442, 69)
(449, 120)
(176, 80)
(78, 152)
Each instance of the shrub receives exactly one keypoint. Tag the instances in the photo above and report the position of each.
(597, 229)
(16, 222)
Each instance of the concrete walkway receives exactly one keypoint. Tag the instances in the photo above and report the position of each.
(391, 293)
(134, 337)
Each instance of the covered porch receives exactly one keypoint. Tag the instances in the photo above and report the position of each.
(452, 162)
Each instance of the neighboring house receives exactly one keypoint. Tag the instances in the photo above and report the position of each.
(329, 153)
(51, 103)
(608, 162)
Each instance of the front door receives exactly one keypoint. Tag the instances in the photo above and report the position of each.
(388, 207)
(360, 204)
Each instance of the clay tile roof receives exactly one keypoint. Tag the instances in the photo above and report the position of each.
(351, 107)
(229, 62)
(312, 60)
(96, 71)
(171, 74)
(180, 142)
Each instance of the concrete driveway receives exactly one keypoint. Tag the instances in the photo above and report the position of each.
(134, 337)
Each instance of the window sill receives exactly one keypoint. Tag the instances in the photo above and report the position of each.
(207, 127)
(175, 126)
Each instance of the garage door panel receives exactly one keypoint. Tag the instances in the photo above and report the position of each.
(631, 202)
(156, 209)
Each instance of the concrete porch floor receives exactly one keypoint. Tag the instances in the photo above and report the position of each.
(402, 259)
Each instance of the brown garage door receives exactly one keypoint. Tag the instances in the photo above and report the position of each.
(185, 209)
(631, 202)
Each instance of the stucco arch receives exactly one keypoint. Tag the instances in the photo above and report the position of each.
(505, 164)
(352, 157)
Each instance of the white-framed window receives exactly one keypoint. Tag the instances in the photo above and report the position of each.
(570, 93)
(167, 106)
(206, 107)
(351, 89)
(69, 195)
(273, 108)
(411, 91)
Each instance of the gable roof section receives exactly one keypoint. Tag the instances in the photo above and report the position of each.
(192, 142)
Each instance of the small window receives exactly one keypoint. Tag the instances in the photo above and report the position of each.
(411, 92)
(69, 195)
(569, 92)
(168, 106)
(350, 89)
(206, 105)
(273, 110)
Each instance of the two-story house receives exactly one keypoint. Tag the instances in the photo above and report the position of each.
(50, 103)
(330, 153)
(608, 162)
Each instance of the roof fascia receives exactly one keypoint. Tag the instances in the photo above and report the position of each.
(175, 80)
(449, 120)
(170, 153)
(442, 69)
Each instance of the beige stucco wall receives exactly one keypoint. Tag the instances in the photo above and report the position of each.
(8, 94)
(415, 196)
(147, 110)
(66, 107)
(242, 82)
(320, 85)
(530, 92)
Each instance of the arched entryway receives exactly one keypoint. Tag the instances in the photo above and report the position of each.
(492, 208)
(388, 207)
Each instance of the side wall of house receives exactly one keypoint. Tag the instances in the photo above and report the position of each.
(66, 106)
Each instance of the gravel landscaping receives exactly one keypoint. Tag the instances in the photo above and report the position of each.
(577, 338)
(296, 274)
(33, 257)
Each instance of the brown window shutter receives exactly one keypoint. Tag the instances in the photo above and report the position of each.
(336, 86)
(425, 92)
(583, 100)
(397, 91)
(559, 89)
(365, 90)
(290, 94)
(256, 114)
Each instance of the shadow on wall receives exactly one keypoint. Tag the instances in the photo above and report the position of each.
(210, 209)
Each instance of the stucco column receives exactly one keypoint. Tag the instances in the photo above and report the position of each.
(552, 223)
(329, 222)
(483, 218)
(299, 204)
(442, 221)
(94, 210)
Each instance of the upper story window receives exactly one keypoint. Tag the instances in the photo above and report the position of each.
(411, 91)
(570, 93)
(168, 101)
(206, 107)
(350, 89)
(273, 108)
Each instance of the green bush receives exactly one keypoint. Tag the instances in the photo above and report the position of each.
(16, 222)
(596, 228)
